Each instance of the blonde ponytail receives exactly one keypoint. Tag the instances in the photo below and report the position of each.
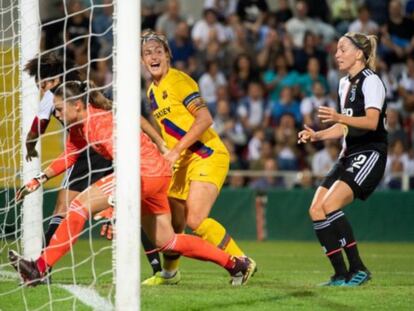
(367, 44)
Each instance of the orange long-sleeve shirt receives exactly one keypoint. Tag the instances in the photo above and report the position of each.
(97, 131)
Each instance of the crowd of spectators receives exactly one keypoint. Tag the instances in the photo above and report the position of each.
(263, 73)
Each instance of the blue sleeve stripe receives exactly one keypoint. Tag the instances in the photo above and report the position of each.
(190, 98)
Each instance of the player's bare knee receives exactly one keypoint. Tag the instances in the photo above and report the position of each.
(316, 211)
(194, 221)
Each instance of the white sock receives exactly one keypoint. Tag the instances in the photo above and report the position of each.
(168, 274)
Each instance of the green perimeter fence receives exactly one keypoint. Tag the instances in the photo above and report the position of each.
(282, 215)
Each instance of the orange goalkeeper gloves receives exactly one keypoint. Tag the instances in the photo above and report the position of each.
(31, 186)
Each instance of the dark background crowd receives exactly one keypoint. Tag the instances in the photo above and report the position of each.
(263, 69)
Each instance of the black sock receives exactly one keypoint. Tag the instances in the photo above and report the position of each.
(345, 235)
(53, 225)
(330, 244)
(152, 255)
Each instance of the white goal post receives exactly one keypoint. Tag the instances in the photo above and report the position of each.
(32, 218)
(127, 111)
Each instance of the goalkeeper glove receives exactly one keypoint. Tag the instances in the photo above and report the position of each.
(31, 186)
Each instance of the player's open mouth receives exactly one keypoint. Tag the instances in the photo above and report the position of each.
(155, 66)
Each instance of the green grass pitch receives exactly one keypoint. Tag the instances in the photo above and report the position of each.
(287, 280)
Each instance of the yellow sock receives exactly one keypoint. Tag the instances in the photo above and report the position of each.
(213, 232)
(170, 262)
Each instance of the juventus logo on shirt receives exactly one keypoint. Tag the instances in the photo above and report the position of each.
(353, 93)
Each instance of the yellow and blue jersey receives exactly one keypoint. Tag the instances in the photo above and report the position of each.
(172, 103)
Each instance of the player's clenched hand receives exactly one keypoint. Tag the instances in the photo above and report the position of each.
(30, 186)
(306, 135)
(107, 227)
(31, 153)
(171, 156)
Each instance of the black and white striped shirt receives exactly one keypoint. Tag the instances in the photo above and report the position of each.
(365, 90)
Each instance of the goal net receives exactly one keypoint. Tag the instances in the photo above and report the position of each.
(89, 39)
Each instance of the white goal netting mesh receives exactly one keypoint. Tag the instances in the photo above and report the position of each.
(81, 32)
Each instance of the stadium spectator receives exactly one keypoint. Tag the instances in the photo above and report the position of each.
(406, 85)
(310, 105)
(236, 181)
(391, 84)
(252, 13)
(319, 10)
(395, 128)
(343, 13)
(266, 152)
(150, 11)
(243, 72)
(167, 23)
(398, 162)
(283, 12)
(324, 159)
(267, 182)
(287, 153)
(378, 9)
(229, 127)
(77, 32)
(102, 28)
(363, 23)
(238, 41)
(183, 50)
(304, 180)
(272, 46)
(254, 146)
(224, 8)
(300, 23)
(208, 29)
(311, 48)
(287, 104)
(397, 34)
(251, 109)
(209, 83)
(312, 74)
(277, 76)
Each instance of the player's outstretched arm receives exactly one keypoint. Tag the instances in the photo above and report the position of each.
(38, 128)
(334, 132)
(367, 122)
(154, 135)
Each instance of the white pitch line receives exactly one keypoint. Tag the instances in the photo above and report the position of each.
(86, 295)
(89, 297)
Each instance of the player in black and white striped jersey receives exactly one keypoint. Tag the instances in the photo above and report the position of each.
(361, 164)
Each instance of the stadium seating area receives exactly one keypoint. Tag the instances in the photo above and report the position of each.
(263, 69)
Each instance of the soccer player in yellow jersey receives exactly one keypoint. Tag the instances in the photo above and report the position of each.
(198, 156)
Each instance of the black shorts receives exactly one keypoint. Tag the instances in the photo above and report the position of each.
(362, 171)
(89, 168)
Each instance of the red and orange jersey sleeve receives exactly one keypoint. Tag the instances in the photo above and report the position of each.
(74, 146)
